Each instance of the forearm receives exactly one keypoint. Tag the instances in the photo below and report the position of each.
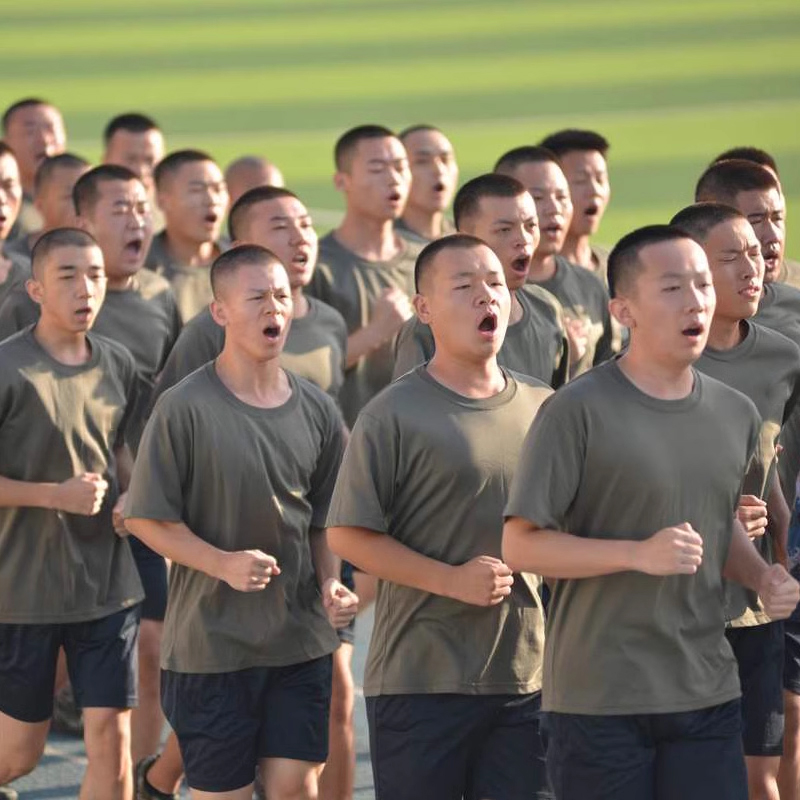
(779, 517)
(362, 342)
(384, 557)
(556, 554)
(744, 565)
(124, 461)
(26, 494)
(326, 563)
(176, 542)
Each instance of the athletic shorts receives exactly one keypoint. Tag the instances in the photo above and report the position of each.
(153, 575)
(448, 746)
(759, 654)
(347, 635)
(691, 755)
(101, 660)
(226, 722)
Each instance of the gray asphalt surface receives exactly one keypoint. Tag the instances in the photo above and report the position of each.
(59, 774)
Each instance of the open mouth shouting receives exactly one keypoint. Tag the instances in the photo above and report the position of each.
(694, 332)
(771, 260)
(134, 247)
(521, 264)
(211, 219)
(272, 330)
(487, 325)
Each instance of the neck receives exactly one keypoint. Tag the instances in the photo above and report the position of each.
(299, 303)
(66, 347)
(516, 309)
(258, 383)
(663, 381)
(189, 253)
(476, 380)
(426, 224)
(118, 283)
(542, 268)
(578, 250)
(725, 334)
(369, 238)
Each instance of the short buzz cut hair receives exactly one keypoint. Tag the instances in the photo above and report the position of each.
(428, 254)
(241, 208)
(624, 262)
(51, 164)
(466, 204)
(242, 255)
(5, 150)
(724, 180)
(348, 142)
(699, 219)
(747, 153)
(527, 154)
(132, 121)
(26, 102)
(86, 191)
(170, 164)
(416, 129)
(55, 239)
(571, 140)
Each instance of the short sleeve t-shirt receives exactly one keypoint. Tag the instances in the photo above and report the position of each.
(17, 267)
(534, 345)
(583, 296)
(780, 310)
(191, 285)
(58, 421)
(631, 643)
(402, 227)
(315, 348)
(241, 478)
(437, 482)
(764, 366)
(352, 285)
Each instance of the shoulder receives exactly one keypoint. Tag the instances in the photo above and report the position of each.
(112, 353)
(536, 296)
(152, 285)
(724, 399)
(775, 341)
(316, 404)
(586, 278)
(191, 391)
(326, 314)
(15, 352)
(202, 326)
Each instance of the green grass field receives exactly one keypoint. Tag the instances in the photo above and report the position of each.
(669, 83)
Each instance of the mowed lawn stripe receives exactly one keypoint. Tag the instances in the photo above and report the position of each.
(220, 87)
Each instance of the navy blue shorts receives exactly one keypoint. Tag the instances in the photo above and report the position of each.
(449, 746)
(101, 660)
(759, 654)
(153, 575)
(226, 722)
(691, 755)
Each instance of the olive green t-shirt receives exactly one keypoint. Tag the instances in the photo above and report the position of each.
(241, 478)
(351, 285)
(603, 460)
(790, 273)
(583, 296)
(764, 366)
(315, 348)
(56, 422)
(534, 345)
(432, 468)
(779, 310)
(17, 267)
(191, 285)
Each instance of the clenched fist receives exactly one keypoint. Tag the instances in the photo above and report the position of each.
(677, 550)
(341, 605)
(248, 570)
(482, 581)
(752, 513)
(779, 592)
(82, 494)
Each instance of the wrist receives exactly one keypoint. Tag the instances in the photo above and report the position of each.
(632, 556)
(47, 496)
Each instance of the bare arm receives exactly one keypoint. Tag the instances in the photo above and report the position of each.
(483, 580)
(778, 590)
(82, 494)
(341, 605)
(245, 570)
(327, 564)
(528, 548)
(779, 518)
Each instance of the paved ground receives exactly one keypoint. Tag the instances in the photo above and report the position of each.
(59, 774)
